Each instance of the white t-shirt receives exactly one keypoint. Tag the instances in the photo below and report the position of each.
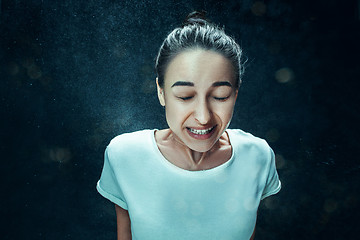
(170, 203)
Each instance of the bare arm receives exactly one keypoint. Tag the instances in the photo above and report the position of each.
(123, 224)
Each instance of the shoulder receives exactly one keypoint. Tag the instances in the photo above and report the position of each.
(244, 138)
(129, 142)
(247, 142)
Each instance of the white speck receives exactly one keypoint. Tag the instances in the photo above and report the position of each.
(284, 75)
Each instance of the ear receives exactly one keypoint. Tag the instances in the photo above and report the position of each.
(236, 93)
(160, 93)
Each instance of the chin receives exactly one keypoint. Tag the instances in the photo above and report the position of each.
(199, 145)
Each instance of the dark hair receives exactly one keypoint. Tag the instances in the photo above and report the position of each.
(198, 32)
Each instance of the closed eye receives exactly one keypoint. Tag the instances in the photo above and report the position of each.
(185, 98)
(221, 98)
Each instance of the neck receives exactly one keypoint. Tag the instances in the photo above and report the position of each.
(176, 152)
(194, 158)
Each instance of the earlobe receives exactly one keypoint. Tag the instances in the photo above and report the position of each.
(160, 93)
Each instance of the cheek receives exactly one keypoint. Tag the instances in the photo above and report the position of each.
(175, 107)
(173, 112)
(225, 111)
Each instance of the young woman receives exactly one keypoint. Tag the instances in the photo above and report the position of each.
(197, 179)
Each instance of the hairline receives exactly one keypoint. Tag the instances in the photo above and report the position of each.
(201, 48)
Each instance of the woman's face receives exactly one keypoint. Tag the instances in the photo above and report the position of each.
(199, 96)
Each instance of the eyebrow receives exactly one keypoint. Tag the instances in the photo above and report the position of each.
(181, 83)
(191, 84)
(224, 83)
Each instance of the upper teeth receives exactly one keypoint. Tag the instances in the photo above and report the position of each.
(200, 132)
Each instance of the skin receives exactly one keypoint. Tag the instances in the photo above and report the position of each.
(199, 93)
(123, 224)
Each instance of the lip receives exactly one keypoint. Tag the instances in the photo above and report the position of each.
(201, 136)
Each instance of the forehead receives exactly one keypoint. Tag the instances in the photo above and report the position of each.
(200, 67)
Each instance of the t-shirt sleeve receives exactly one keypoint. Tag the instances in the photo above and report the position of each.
(273, 184)
(108, 185)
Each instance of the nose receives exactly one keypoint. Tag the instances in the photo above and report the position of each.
(202, 113)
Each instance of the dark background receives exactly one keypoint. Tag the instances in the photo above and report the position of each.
(74, 74)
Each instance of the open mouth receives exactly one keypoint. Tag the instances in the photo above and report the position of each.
(201, 131)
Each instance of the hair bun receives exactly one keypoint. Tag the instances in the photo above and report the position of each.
(196, 17)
